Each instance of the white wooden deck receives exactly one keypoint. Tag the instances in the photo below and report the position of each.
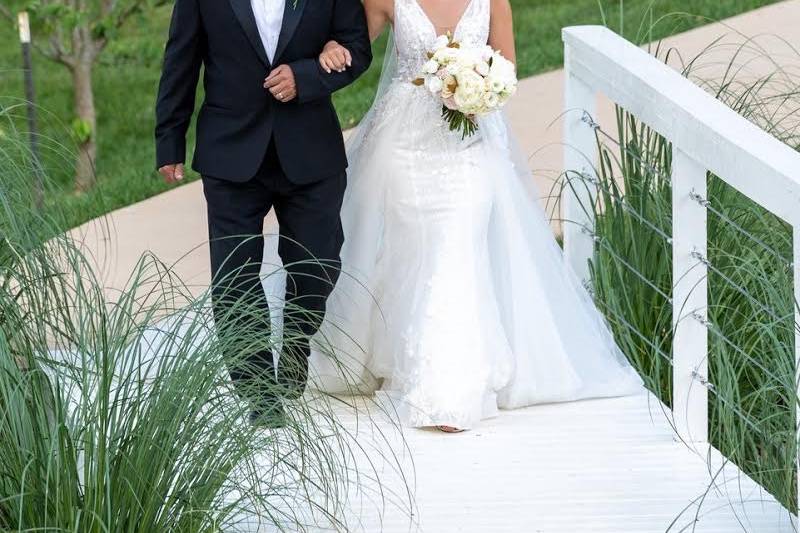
(610, 465)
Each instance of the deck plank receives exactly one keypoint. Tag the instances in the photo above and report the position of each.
(610, 465)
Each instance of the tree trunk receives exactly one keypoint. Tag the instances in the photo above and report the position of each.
(86, 127)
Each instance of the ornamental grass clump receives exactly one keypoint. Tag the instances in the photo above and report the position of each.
(116, 408)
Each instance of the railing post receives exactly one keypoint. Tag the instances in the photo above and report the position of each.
(690, 299)
(580, 156)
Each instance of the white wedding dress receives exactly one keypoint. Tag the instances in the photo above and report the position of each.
(454, 299)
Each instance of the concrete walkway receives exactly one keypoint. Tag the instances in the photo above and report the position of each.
(173, 225)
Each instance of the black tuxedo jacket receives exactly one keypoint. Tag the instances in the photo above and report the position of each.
(239, 117)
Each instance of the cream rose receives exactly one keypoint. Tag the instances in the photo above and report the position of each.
(469, 93)
(449, 85)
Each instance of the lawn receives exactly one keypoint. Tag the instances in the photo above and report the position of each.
(126, 82)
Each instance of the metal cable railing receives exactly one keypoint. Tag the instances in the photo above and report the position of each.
(620, 200)
(706, 203)
(733, 224)
(607, 246)
(735, 409)
(587, 118)
(626, 207)
(689, 164)
(750, 359)
(741, 290)
(633, 329)
(603, 243)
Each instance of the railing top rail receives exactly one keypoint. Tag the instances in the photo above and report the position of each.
(727, 144)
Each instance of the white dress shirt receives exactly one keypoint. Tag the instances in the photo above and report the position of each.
(269, 18)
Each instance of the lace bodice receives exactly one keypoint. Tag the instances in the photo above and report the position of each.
(414, 32)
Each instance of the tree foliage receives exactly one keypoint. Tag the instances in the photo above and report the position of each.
(76, 30)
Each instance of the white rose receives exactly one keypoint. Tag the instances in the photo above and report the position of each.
(434, 84)
(510, 88)
(440, 42)
(430, 67)
(482, 68)
(445, 55)
(470, 56)
(495, 84)
(491, 100)
(470, 78)
(503, 69)
(457, 65)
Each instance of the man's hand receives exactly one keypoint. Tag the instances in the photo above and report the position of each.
(281, 84)
(172, 173)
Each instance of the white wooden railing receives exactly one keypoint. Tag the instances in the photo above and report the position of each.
(706, 135)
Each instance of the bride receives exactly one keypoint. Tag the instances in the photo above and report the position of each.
(454, 300)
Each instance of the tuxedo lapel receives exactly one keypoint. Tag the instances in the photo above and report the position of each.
(244, 12)
(291, 18)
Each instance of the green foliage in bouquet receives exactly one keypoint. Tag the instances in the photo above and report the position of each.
(459, 122)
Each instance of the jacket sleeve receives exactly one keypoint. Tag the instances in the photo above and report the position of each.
(179, 76)
(348, 28)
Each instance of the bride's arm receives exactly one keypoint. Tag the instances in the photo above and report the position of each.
(501, 29)
(379, 14)
(335, 57)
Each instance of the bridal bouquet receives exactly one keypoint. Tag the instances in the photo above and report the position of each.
(470, 81)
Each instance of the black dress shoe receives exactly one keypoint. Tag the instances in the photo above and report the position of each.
(268, 416)
(292, 374)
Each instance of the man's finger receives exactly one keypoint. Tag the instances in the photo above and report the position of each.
(348, 57)
(273, 81)
(277, 71)
(277, 89)
(286, 95)
(272, 75)
(282, 88)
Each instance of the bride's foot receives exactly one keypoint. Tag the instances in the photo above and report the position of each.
(449, 429)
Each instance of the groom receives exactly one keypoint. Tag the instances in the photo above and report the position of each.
(267, 137)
